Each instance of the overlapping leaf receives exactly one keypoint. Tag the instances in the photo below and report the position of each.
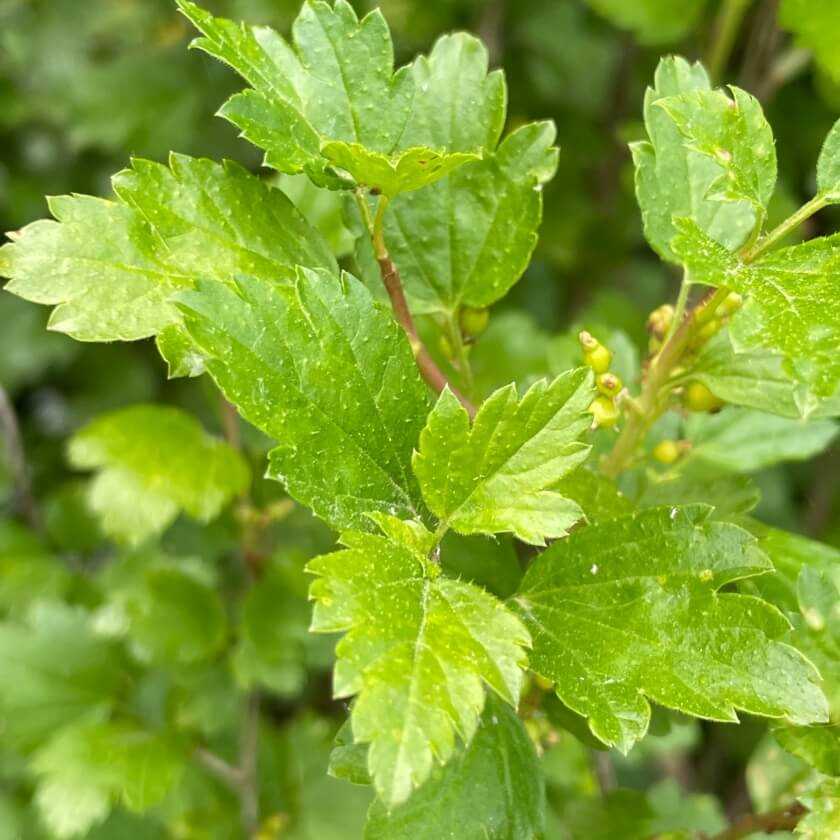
(55, 671)
(630, 608)
(494, 475)
(327, 373)
(329, 103)
(740, 440)
(84, 770)
(418, 647)
(152, 462)
(111, 267)
(678, 174)
(493, 788)
(753, 379)
(794, 309)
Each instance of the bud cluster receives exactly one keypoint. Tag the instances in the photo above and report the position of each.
(603, 408)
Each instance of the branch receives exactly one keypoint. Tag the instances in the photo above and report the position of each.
(17, 459)
(784, 819)
(429, 370)
(434, 376)
(216, 766)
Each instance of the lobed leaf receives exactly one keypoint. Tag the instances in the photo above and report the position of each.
(793, 308)
(494, 475)
(326, 372)
(153, 461)
(330, 103)
(417, 648)
(673, 178)
(630, 609)
(83, 770)
(110, 267)
(493, 788)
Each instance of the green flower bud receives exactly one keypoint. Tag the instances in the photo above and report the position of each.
(667, 451)
(660, 320)
(604, 412)
(698, 397)
(595, 355)
(473, 321)
(608, 384)
(445, 347)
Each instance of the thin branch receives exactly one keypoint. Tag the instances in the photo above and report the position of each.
(215, 765)
(784, 819)
(429, 370)
(604, 771)
(434, 376)
(230, 423)
(17, 460)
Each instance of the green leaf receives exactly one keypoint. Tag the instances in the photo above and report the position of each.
(492, 789)
(325, 371)
(823, 817)
(409, 170)
(154, 461)
(828, 165)
(630, 608)
(348, 760)
(790, 553)
(752, 379)
(817, 628)
(322, 208)
(54, 671)
(793, 310)
(83, 770)
(598, 496)
(819, 746)
(111, 267)
(733, 134)
(29, 573)
(171, 614)
(331, 102)
(493, 476)
(728, 494)
(478, 227)
(417, 648)
(652, 21)
(816, 25)
(740, 440)
(673, 179)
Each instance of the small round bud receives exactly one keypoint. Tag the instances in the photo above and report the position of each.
(445, 347)
(595, 355)
(604, 412)
(698, 397)
(731, 303)
(660, 320)
(667, 451)
(608, 384)
(473, 321)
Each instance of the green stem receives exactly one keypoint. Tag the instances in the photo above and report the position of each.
(461, 360)
(726, 28)
(653, 400)
(679, 309)
(817, 203)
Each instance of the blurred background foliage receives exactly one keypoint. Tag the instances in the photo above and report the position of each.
(85, 84)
